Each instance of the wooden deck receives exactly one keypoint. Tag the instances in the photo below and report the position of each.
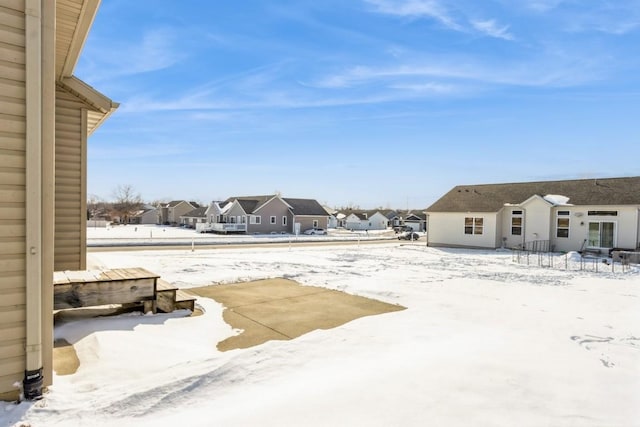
(75, 289)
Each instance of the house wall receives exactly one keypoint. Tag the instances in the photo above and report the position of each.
(377, 221)
(70, 182)
(447, 229)
(26, 159)
(537, 220)
(306, 222)
(510, 240)
(174, 213)
(12, 195)
(149, 217)
(626, 234)
(352, 222)
(275, 207)
(235, 212)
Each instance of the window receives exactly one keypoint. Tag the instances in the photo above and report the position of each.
(563, 213)
(255, 219)
(562, 228)
(272, 220)
(315, 223)
(243, 219)
(516, 223)
(473, 225)
(284, 220)
(602, 234)
(602, 213)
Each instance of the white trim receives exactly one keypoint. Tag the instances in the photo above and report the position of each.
(33, 86)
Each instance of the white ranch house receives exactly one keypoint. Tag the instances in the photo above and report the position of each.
(574, 215)
(366, 220)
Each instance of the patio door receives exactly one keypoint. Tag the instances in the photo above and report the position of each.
(602, 234)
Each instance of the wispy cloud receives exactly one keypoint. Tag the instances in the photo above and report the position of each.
(542, 5)
(416, 9)
(492, 29)
(606, 16)
(156, 50)
(551, 71)
(456, 19)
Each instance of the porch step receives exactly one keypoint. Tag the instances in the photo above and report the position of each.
(184, 301)
(170, 298)
(125, 286)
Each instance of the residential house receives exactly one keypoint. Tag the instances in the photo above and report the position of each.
(170, 213)
(148, 215)
(46, 117)
(265, 214)
(416, 220)
(332, 222)
(195, 216)
(365, 220)
(573, 215)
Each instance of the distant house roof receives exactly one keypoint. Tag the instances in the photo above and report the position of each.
(415, 216)
(298, 206)
(143, 211)
(492, 197)
(174, 203)
(366, 214)
(309, 207)
(196, 213)
(250, 203)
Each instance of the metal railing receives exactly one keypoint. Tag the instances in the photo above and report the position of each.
(221, 227)
(534, 246)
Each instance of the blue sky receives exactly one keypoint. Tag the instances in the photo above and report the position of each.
(374, 103)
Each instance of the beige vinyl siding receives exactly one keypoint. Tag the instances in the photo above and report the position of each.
(12, 194)
(70, 217)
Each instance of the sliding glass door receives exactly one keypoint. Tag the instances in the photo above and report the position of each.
(602, 234)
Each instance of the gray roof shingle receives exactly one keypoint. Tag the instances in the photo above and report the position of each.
(492, 197)
(309, 207)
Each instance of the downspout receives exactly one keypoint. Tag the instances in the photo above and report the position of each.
(426, 229)
(638, 229)
(33, 378)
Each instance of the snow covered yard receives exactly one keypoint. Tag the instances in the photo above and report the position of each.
(483, 342)
(129, 235)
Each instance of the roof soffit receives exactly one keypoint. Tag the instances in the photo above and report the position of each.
(73, 21)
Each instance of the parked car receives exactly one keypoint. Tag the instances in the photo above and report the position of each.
(313, 231)
(410, 235)
(402, 228)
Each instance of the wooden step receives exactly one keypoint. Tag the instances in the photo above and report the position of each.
(163, 285)
(185, 301)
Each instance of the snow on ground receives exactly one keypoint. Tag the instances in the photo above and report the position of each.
(484, 342)
(127, 235)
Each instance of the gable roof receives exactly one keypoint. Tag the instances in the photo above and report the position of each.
(309, 207)
(174, 203)
(250, 203)
(73, 22)
(493, 197)
(196, 213)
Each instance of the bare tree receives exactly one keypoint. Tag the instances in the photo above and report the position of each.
(126, 202)
(94, 205)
